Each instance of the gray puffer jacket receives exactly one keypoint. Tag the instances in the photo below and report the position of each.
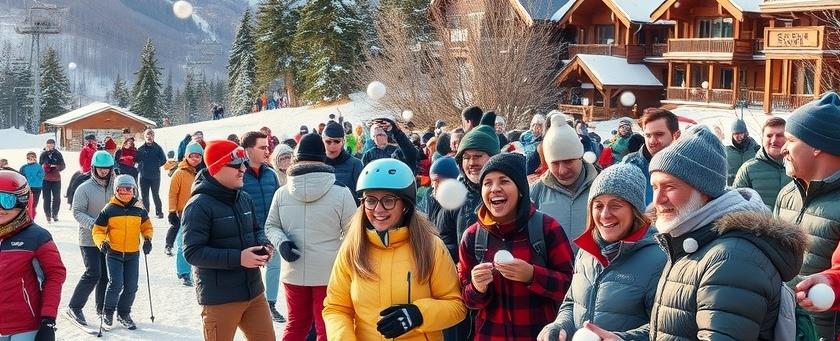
(618, 296)
(313, 212)
(815, 210)
(737, 155)
(763, 174)
(568, 208)
(729, 287)
(88, 200)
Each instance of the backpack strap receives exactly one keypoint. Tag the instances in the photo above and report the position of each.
(537, 238)
(480, 244)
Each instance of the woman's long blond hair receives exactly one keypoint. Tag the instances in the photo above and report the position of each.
(639, 220)
(421, 235)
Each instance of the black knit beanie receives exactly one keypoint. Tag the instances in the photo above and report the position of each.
(512, 165)
(334, 130)
(311, 148)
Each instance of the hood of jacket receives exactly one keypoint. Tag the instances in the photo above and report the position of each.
(310, 181)
(206, 184)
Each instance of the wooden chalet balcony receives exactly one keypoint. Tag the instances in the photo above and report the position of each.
(587, 112)
(633, 53)
(655, 50)
(710, 48)
(783, 102)
(699, 95)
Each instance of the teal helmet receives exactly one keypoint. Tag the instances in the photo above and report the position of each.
(102, 159)
(388, 175)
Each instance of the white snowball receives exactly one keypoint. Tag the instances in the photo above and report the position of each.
(690, 245)
(627, 99)
(584, 334)
(503, 257)
(589, 157)
(408, 115)
(451, 194)
(822, 295)
(182, 9)
(376, 90)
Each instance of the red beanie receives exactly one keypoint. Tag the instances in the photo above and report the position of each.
(217, 154)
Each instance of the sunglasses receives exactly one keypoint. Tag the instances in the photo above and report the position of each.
(9, 201)
(238, 157)
(388, 202)
(331, 142)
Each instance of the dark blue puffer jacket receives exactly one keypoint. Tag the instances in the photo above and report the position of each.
(261, 188)
(347, 170)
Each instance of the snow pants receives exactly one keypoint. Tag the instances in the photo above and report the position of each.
(306, 305)
(123, 275)
(94, 276)
(52, 197)
(147, 184)
(252, 317)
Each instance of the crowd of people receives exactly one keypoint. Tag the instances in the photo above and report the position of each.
(663, 233)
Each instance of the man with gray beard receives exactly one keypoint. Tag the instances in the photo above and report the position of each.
(728, 257)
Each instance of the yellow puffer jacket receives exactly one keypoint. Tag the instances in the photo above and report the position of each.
(121, 224)
(352, 306)
(180, 188)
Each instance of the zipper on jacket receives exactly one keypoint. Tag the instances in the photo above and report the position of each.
(26, 296)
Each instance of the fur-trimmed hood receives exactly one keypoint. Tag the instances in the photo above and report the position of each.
(782, 242)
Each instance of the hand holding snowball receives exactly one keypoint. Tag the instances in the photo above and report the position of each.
(516, 270)
(482, 275)
(814, 293)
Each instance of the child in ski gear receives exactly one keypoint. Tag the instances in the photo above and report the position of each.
(180, 190)
(34, 174)
(117, 233)
(31, 267)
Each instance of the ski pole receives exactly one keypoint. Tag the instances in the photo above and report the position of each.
(102, 313)
(149, 288)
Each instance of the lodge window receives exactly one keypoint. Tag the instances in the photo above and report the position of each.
(726, 78)
(714, 28)
(604, 33)
(699, 74)
(678, 76)
(802, 80)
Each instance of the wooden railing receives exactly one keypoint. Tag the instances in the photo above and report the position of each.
(755, 98)
(587, 112)
(722, 96)
(596, 49)
(715, 45)
(758, 46)
(783, 102)
(655, 50)
(718, 96)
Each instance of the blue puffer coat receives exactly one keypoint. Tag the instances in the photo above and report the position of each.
(261, 188)
(347, 170)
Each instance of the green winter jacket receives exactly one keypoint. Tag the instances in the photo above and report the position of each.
(763, 174)
(736, 156)
(617, 297)
(815, 210)
(729, 288)
(569, 209)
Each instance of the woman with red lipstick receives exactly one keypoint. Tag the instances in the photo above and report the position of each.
(515, 298)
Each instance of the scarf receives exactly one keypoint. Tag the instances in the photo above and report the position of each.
(18, 223)
(609, 250)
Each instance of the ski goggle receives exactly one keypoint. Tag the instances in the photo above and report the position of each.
(9, 201)
(237, 158)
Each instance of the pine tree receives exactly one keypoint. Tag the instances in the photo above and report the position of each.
(365, 11)
(167, 95)
(329, 37)
(145, 95)
(416, 17)
(119, 94)
(55, 87)
(190, 99)
(203, 100)
(178, 113)
(276, 25)
(22, 95)
(241, 68)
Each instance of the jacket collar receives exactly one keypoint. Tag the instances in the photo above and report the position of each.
(817, 188)
(486, 221)
(131, 203)
(392, 238)
(299, 169)
(587, 243)
(761, 155)
(588, 174)
(184, 165)
(338, 160)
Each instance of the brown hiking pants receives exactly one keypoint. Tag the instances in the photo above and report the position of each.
(221, 320)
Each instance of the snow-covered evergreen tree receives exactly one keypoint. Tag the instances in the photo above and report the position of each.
(146, 98)
(167, 95)
(276, 25)
(416, 16)
(242, 68)
(55, 87)
(190, 99)
(367, 18)
(203, 101)
(119, 94)
(23, 95)
(328, 38)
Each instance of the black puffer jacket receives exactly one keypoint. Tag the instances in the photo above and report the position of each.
(218, 224)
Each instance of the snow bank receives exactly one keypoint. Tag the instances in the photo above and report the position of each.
(13, 138)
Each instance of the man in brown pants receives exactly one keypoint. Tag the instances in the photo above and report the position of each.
(226, 246)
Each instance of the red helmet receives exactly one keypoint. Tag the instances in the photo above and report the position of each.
(14, 183)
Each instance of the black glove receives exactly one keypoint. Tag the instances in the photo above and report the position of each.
(391, 122)
(147, 246)
(398, 320)
(46, 332)
(105, 247)
(174, 220)
(289, 251)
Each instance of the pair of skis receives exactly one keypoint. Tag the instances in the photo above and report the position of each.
(84, 328)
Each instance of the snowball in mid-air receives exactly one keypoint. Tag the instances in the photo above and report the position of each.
(584, 334)
(408, 115)
(589, 157)
(182, 9)
(451, 194)
(376, 90)
(627, 99)
(822, 296)
(503, 257)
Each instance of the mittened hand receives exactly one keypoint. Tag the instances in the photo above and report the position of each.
(289, 251)
(46, 332)
(147, 246)
(105, 247)
(398, 319)
(173, 219)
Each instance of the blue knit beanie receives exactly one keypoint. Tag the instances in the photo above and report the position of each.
(193, 148)
(623, 180)
(818, 123)
(697, 158)
(739, 126)
(445, 167)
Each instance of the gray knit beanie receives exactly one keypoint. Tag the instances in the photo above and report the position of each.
(739, 126)
(623, 180)
(818, 123)
(697, 158)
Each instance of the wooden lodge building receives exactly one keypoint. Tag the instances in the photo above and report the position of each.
(774, 55)
(98, 119)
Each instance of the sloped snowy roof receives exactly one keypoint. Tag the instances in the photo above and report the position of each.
(638, 11)
(93, 109)
(543, 9)
(615, 71)
(562, 11)
(747, 5)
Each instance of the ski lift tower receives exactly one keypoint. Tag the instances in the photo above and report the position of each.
(42, 19)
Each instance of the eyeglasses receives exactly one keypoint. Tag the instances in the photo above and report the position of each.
(9, 201)
(388, 202)
(125, 189)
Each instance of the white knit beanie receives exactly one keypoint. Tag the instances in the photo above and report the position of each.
(538, 119)
(561, 142)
